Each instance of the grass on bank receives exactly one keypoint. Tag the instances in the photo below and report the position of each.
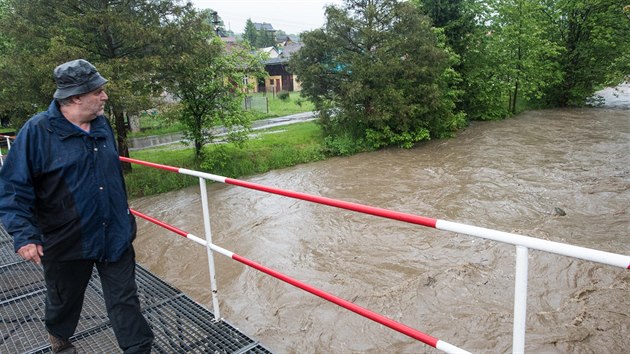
(284, 104)
(269, 149)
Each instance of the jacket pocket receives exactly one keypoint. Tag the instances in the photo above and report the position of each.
(54, 215)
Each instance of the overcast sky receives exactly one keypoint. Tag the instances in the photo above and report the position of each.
(291, 16)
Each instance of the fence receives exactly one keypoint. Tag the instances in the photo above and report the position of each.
(256, 103)
(522, 243)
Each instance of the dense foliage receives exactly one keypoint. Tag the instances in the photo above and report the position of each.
(595, 38)
(379, 75)
(523, 52)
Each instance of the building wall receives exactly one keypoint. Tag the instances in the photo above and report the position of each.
(274, 84)
(280, 79)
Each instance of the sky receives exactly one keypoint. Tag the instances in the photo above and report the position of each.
(291, 16)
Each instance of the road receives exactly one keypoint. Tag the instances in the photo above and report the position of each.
(161, 140)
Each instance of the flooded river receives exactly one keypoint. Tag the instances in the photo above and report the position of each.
(512, 175)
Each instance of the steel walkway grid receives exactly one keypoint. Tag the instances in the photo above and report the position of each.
(180, 325)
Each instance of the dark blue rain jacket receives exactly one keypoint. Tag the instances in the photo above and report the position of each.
(63, 188)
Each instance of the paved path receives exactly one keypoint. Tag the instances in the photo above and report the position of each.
(160, 140)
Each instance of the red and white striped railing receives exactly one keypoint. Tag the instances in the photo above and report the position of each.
(564, 249)
(522, 243)
(413, 333)
(8, 140)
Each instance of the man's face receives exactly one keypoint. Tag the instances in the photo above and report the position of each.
(93, 103)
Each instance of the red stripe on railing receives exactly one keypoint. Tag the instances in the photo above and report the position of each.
(410, 218)
(424, 338)
(389, 214)
(160, 223)
(150, 164)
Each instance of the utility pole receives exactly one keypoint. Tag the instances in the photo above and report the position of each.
(216, 22)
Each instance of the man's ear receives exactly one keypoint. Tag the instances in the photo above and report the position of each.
(77, 99)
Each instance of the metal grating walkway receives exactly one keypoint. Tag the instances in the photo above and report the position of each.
(180, 325)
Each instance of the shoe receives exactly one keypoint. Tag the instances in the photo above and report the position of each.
(61, 346)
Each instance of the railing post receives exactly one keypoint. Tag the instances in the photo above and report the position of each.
(206, 222)
(520, 300)
(8, 147)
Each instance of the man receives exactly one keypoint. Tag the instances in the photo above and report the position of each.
(63, 199)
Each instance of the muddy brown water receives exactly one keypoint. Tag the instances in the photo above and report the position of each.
(508, 175)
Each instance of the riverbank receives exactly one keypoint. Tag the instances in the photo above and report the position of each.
(276, 147)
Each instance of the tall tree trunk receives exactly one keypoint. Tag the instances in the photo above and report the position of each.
(198, 136)
(121, 137)
(198, 147)
(514, 96)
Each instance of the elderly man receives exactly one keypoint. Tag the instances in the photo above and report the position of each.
(63, 199)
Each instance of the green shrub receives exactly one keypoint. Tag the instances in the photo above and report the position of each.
(386, 137)
(343, 145)
(284, 95)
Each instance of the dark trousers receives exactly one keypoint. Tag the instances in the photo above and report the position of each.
(66, 283)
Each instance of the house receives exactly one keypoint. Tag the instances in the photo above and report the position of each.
(267, 27)
(280, 79)
(272, 52)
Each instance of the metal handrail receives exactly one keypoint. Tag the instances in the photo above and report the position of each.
(413, 333)
(8, 138)
(522, 243)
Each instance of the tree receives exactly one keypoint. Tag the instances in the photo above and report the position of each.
(19, 96)
(265, 39)
(594, 35)
(5, 44)
(124, 39)
(456, 17)
(258, 38)
(528, 59)
(506, 53)
(377, 74)
(281, 35)
(250, 34)
(210, 84)
(458, 20)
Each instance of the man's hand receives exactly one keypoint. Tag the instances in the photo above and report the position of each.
(31, 252)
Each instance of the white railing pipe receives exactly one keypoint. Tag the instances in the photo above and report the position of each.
(208, 231)
(520, 300)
